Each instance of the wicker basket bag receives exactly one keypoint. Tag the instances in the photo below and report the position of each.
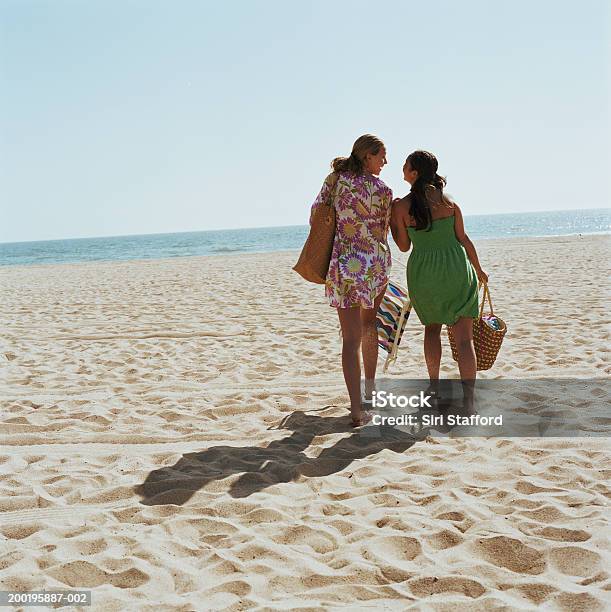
(486, 339)
(313, 263)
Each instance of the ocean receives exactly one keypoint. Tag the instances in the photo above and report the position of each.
(266, 239)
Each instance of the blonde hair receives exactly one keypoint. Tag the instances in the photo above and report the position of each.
(368, 143)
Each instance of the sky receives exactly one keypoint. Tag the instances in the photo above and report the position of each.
(137, 117)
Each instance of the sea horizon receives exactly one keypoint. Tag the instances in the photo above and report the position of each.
(591, 221)
(264, 227)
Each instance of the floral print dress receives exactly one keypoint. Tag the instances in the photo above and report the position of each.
(360, 260)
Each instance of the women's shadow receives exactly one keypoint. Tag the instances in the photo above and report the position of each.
(280, 461)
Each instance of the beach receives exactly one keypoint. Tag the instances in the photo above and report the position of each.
(175, 436)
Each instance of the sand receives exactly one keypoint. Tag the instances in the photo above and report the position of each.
(174, 436)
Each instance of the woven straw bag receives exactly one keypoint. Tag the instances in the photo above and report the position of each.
(487, 341)
(313, 263)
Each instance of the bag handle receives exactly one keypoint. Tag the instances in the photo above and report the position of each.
(485, 295)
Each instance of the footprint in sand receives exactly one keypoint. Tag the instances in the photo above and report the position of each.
(575, 561)
(512, 554)
(451, 516)
(570, 602)
(425, 587)
(82, 574)
(563, 535)
(320, 541)
(393, 549)
(20, 532)
(444, 539)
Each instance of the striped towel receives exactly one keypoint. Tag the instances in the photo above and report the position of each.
(391, 318)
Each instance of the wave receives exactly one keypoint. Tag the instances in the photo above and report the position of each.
(227, 249)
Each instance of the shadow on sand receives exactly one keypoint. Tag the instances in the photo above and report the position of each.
(280, 461)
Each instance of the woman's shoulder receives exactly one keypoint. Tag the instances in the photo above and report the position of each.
(346, 175)
(402, 207)
(339, 176)
(449, 198)
(332, 178)
(358, 180)
(381, 189)
(381, 184)
(350, 179)
(406, 202)
(439, 199)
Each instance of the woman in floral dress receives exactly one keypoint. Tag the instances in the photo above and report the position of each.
(360, 260)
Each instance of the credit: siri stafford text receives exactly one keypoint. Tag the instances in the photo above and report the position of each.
(436, 420)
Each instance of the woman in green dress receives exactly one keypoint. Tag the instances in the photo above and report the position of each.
(443, 268)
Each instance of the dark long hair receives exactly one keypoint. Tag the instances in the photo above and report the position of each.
(426, 165)
(368, 143)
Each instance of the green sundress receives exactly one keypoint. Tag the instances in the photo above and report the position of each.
(441, 281)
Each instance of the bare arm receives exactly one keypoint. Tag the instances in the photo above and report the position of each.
(398, 225)
(461, 236)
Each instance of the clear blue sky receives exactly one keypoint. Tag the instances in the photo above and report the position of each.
(134, 117)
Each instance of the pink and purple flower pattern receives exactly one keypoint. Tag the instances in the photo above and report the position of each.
(360, 260)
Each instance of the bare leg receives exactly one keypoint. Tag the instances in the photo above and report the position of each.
(432, 351)
(467, 362)
(350, 322)
(369, 343)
